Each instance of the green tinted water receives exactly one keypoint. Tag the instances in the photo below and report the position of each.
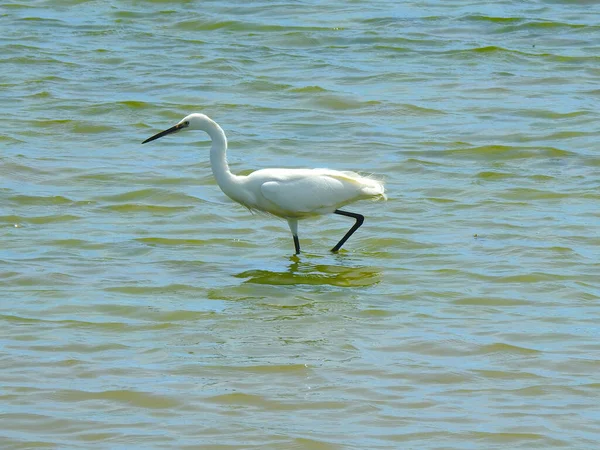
(140, 308)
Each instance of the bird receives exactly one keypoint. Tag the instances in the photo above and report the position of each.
(291, 194)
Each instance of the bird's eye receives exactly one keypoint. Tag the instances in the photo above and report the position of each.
(187, 123)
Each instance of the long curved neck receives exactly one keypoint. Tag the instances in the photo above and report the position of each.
(218, 157)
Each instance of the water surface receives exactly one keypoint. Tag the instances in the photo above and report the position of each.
(142, 309)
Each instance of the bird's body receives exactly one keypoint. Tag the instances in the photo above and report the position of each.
(291, 194)
(301, 193)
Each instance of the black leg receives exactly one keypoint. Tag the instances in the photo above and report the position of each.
(359, 221)
(296, 244)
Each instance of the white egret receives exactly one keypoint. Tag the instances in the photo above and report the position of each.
(291, 194)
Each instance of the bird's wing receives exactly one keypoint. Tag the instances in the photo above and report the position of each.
(313, 193)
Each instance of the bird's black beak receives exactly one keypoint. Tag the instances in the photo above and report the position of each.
(174, 129)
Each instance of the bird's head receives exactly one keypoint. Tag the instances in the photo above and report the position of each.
(192, 122)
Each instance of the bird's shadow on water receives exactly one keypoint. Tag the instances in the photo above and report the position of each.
(306, 270)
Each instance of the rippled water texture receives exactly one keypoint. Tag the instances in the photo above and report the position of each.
(140, 308)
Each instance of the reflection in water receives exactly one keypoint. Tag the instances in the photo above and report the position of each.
(304, 272)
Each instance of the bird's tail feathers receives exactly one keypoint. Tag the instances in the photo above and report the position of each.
(374, 188)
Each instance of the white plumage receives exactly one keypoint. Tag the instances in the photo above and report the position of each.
(291, 194)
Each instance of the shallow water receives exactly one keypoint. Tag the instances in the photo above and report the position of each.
(143, 309)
